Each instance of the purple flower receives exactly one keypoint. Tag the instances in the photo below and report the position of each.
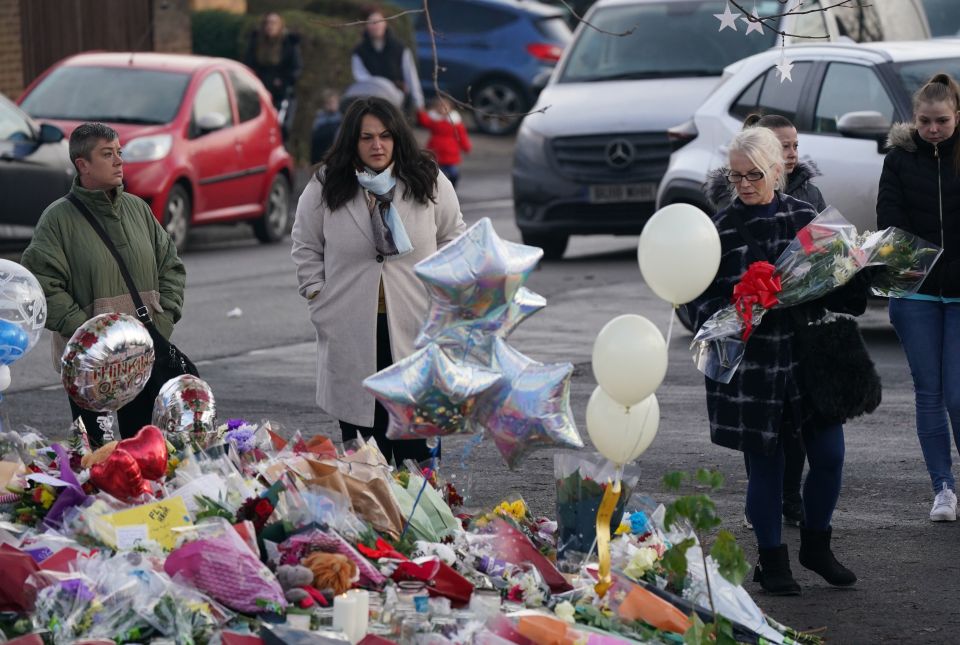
(241, 438)
(233, 424)
(77, 588)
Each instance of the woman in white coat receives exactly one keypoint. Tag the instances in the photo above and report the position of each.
(377, 205)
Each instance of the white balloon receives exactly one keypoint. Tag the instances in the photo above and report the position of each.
(679, 253)
(4, 377)
(620, 434)
(629, 358)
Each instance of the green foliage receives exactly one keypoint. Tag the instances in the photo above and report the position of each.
(698, 509)
(218, 33)
(729, 558)
(713, 479)
(675, 562)
(672, 481)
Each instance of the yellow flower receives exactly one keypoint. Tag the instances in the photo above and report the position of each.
(623, 528)
(46, 498)
(885, 250)
(518, 509)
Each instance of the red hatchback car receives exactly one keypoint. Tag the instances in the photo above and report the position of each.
(201, 142)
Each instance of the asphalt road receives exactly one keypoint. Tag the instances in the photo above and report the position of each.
(261, 366)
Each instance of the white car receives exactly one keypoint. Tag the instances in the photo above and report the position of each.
(590, 157)
(843, 99)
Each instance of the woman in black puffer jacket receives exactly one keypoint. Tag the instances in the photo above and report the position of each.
(920, 193)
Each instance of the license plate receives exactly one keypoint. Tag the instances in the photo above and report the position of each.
(606, 193)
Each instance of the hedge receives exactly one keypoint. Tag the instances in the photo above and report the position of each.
(326, 47)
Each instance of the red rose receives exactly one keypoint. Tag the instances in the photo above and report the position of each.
(87, 339)
(263, 509)
(36, 495)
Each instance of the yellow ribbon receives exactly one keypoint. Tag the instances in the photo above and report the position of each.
(604, 514)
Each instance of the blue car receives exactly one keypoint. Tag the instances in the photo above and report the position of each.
(492, 53)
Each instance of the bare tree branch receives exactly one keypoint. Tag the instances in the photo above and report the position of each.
(356, 23)
(766, 20)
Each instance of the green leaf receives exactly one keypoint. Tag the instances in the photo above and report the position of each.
(673, 480)
(724, 630)
(729, 558)
(713, 479)
(697, 634)
(674, 561)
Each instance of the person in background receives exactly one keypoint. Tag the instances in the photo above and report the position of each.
(80, 277)
(919, 192)
(378, 205)
(763, 402)
(448, 136)
(380, 53)
(326, 123)
(799, 185)
(273, 53)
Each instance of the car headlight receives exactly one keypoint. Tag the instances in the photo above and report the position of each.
(148, 148)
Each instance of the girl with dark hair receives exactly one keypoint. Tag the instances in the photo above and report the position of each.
(381, 54)
(920, 193)
(273, 53)
(376, 206)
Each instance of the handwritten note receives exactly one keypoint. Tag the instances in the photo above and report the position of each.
(159, 518)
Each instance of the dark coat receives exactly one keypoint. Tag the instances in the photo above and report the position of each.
(920, 193)
(280, 80)
(762, 397)
(799, 186)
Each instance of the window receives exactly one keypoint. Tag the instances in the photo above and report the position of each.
(914, 74)
(767, 95)
(460, 17)
(13, 127)
(849, 88)
(248, 98)
(943, 16)
(212, 98)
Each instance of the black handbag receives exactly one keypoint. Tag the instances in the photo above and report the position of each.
(836, 377)
(169, 361)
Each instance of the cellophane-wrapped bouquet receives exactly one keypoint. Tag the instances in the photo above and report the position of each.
(824, 256)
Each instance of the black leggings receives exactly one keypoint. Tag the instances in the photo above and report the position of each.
(131, 418)
(395, 451)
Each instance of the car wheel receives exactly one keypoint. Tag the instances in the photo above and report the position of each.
(177, 215)
(276, 213)
(499, 106)
(553, 245)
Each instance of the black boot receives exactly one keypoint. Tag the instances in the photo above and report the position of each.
(773, 572)
(815, 554)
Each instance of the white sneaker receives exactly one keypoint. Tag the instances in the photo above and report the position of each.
(944, 506)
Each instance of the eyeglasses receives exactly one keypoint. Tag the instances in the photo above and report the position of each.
(753, 175)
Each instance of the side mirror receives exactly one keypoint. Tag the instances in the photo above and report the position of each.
(49, 134)
(211, 121)
(863, 125)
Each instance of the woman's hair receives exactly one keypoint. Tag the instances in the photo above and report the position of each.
(769, 121)
(941, 87)
(761, 146)
(415, 167)
(266, 17)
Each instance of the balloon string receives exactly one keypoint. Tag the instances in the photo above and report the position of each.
(673, 315)
(641, 436)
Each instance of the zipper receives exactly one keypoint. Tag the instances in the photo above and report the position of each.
(936, 154)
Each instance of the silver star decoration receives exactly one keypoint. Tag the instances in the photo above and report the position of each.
(727, 19)
(531, 409)
(429, 395)
(784, 68)
(478, 273)
(753, 24)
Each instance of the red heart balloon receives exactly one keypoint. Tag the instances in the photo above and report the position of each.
(149, 448)
(120, 476)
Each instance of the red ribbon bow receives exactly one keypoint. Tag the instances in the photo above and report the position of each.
(758, 286)
(382, 550)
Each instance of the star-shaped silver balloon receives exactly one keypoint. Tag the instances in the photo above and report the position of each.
(473, 338)
(532, 406)
(428, 394)
(478, 273)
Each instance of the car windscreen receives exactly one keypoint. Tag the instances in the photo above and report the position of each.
(108, 94)
(665, 39)
(943, 16)
(915, 73)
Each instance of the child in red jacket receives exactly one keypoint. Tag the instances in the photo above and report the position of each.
(448, 136)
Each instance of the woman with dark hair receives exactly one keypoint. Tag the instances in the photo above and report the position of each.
(377, 205)
(381, 54)
(920, 193)
(273, 53)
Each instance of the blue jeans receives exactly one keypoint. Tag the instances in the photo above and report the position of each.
(452, 173)
(930, 334)
(821, 490)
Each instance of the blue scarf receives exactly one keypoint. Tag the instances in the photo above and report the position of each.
(390, 237)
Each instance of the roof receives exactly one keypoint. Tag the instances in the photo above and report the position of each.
(183, 63)
(877, 52)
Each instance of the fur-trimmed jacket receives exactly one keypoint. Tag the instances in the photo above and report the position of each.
(763, 397)
(919, 192)
(718, 190)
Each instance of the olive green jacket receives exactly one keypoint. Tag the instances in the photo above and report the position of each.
(80, 276)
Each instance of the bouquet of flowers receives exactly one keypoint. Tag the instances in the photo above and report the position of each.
(824, 256)
(581, 482)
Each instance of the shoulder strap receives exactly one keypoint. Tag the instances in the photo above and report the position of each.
(143, 314)
(747, 236)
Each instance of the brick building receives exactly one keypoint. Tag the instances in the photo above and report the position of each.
(34, 34)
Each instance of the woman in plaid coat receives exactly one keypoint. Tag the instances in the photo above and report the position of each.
(762, 403)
